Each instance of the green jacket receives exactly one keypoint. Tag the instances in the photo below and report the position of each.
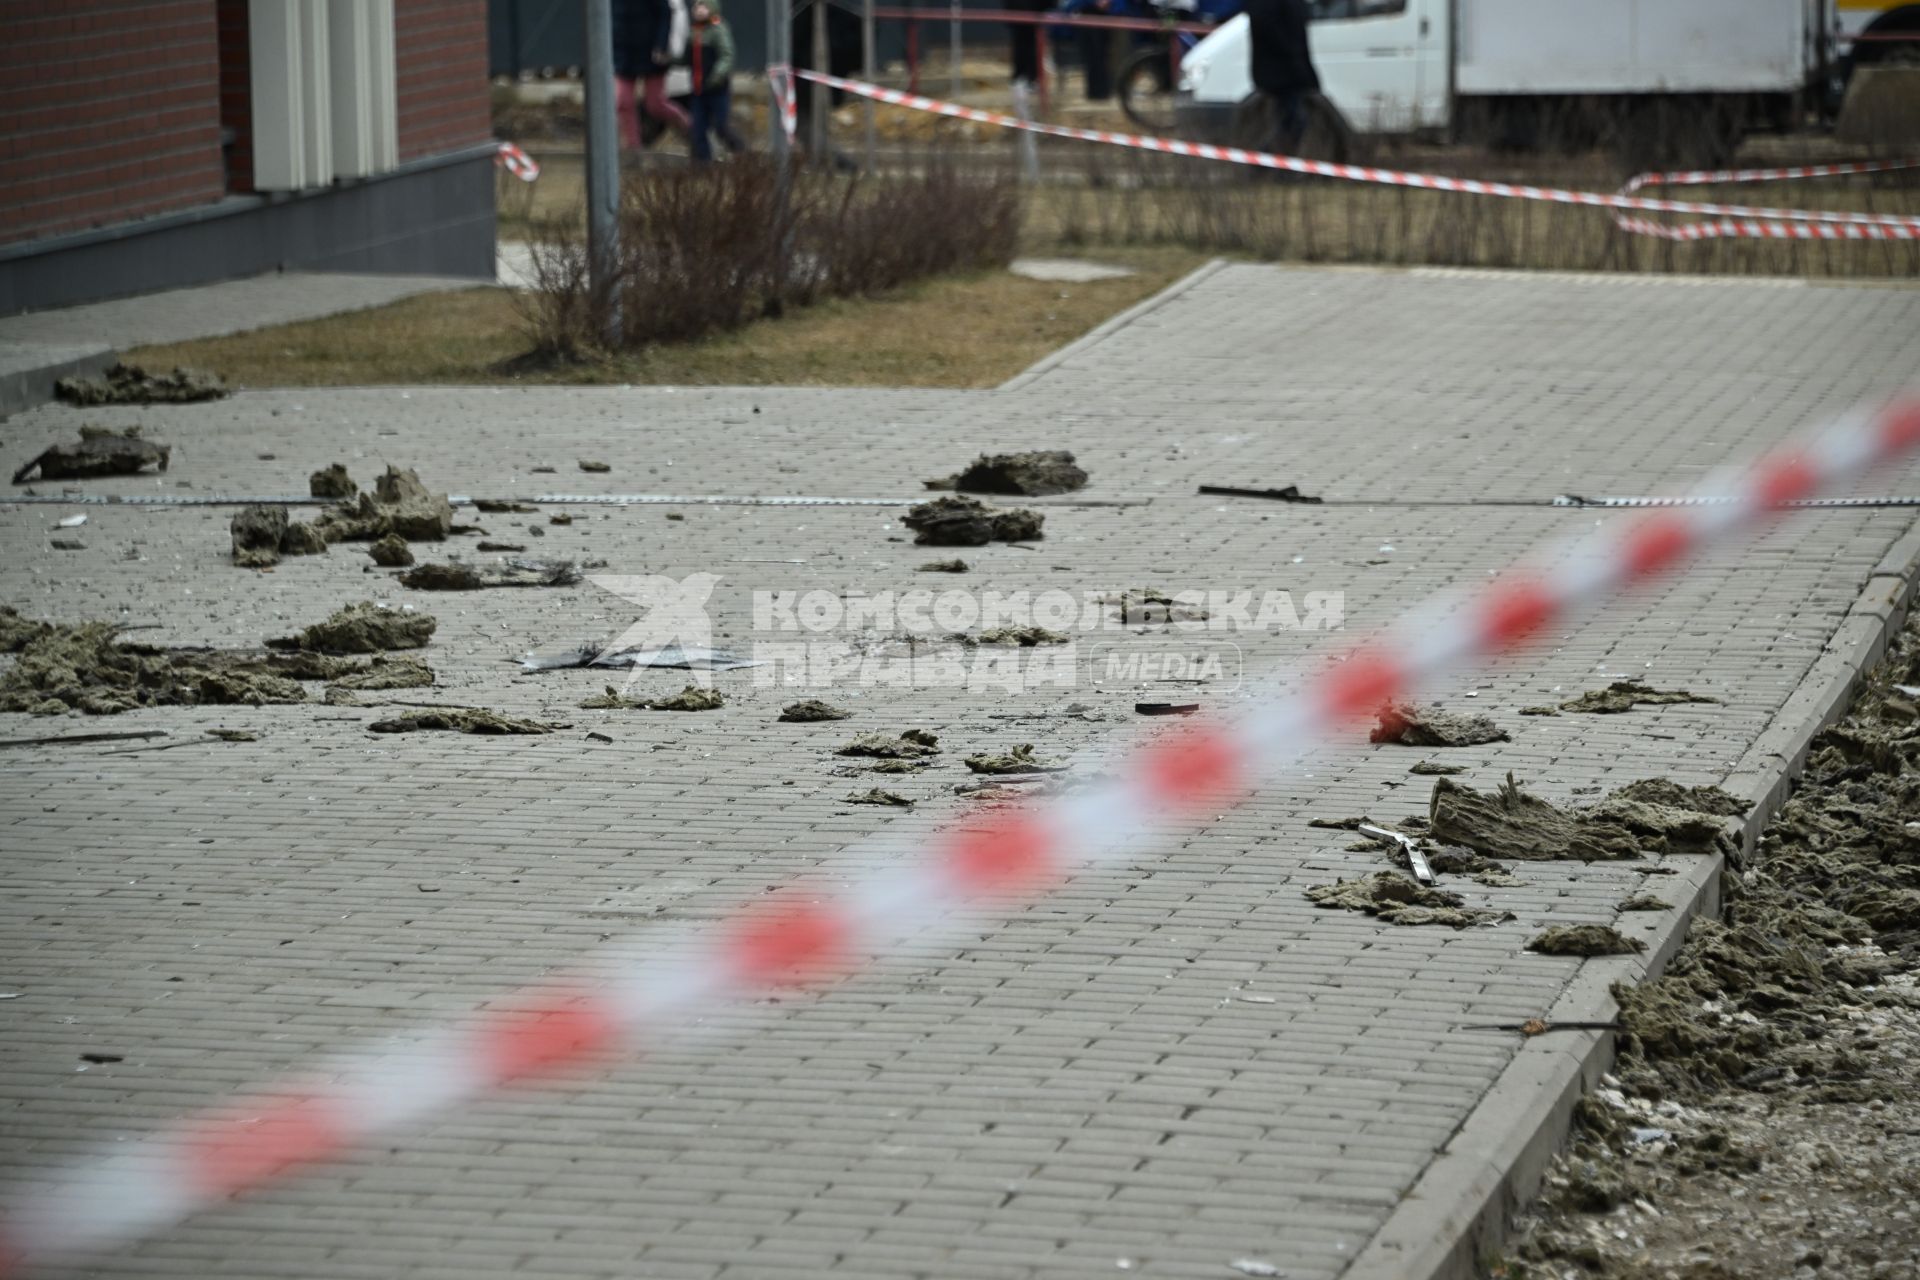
(710, 53)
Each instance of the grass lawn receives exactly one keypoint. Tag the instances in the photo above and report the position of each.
(969, 331)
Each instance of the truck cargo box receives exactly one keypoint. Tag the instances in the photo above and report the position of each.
(1631, 46)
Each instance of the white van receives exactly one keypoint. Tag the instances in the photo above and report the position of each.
(1504, 69)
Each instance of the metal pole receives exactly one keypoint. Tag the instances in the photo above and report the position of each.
(817, 126)
(779, 55)
(953, 50)
(603, 167)
(1029, 148)
(868, 65)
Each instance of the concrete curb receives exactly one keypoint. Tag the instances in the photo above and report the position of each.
(29, 370)
(1457, 1213)
(1053, 360)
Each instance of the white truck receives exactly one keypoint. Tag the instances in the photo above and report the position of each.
(1660, 80)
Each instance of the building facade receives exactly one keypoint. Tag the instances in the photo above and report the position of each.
(157, 143)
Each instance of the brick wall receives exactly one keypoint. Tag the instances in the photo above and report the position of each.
(440, 52)
(110, 110)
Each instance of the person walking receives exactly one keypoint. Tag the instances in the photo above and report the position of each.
(1282, 68)
(642, 52)
(710, 56)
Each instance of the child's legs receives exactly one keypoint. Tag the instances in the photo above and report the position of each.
(721, 109)
(702, 122)
(624, 111)
(660, 106)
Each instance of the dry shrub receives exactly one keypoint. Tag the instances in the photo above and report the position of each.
(707, 250)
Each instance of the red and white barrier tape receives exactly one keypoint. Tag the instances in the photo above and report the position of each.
(517, 162)
(143, 1186)
(1838, 224)
(780, 85)
(1756, 228)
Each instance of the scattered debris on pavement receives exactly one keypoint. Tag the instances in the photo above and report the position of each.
(262, 535)
(589, 464)
(1539, 711)
(364, 627)
(1510, 823)
(499, 506)
(99, 452)
(1165, 708)
(1646, 902)
(1031, 475)
(77, 739)
(382, 673)
(611, 699)
(1025, 637)
(1429, 726)
(1150, 606)
(876, 796)
(945, 566)
(1759, 1120)
(691, 698)
(332, 483)
(130, 384)
(500, 546)
(1291, 493)
(514, 573)
(911, 745)
(85, 668)
(391, 552)
(1625, 695)
(462, 720)
(967, 522)
(672, 657)
(1019, 760)
(1584, 940)
(810, 710)
(1433, 769)
(399, 505)
(1398, 899)
(1664, 791)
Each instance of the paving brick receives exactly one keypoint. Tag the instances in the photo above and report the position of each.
(1083, 1076)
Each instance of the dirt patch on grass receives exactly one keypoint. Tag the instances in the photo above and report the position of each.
(965, 331)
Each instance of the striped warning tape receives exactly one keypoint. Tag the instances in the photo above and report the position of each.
(145, 1185)
(517, 162)
(1752, 227)
(765, 500)
(780, 81)
(1835, 224)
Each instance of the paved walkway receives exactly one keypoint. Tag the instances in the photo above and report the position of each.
(1166, 1068)
(211, 310)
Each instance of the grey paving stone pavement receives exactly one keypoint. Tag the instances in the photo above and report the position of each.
(1169, 1065)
